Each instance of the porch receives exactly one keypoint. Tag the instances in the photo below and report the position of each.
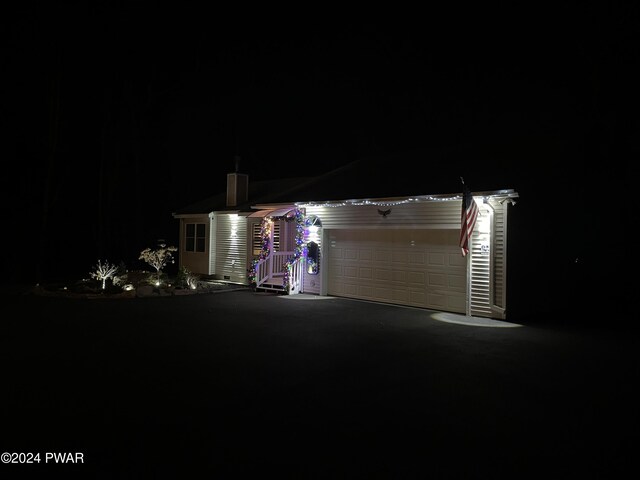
(281, 272)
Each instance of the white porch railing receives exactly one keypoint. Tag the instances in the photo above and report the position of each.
(295, 278)
(270, 272)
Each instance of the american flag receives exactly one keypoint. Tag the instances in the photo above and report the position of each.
(468, 219)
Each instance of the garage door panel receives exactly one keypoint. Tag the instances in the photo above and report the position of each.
(438, 301)
(338, 288)
(436, 258)
(385, 294)
(366, 291)
(400, 296)
(399, 276)
(457, 304)
(365, 255)
(350, 290)
(457, 260)
(421, 268)
(400, 257)
(350, 253)
(457, 282)
(416, 258)
(349, 271)
(384, 256)
(417, 298)
(437, 280)
(415, 277)
(385, 274)
(365, 273)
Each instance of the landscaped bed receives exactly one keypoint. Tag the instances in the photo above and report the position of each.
(138, 284)
(108, 280)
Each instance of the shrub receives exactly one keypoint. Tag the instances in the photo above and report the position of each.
(158, 258)
(187, 279)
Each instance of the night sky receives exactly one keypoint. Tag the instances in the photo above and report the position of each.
(116, 115)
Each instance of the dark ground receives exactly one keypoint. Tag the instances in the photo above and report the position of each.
(248, 385)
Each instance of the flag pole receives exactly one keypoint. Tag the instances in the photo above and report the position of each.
(467, 296)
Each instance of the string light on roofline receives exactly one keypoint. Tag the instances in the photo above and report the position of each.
(382, 203)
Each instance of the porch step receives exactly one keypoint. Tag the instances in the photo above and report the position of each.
(272, 287)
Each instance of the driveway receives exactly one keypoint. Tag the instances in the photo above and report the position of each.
(243, 384)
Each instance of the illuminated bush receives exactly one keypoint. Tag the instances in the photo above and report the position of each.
(158, 258)
(187, 278)
(104, 271)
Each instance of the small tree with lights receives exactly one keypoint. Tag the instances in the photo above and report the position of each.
(103, 272)
(158, 258)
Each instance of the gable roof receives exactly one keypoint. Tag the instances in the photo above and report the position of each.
(417, 173)
(259, 191)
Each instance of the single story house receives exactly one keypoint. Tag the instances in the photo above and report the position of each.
(287, 236)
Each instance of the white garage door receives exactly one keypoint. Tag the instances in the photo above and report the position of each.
(421, 268)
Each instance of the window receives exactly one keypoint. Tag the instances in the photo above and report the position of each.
(276, 236)
(313, 225)
(257, 238)
(313, 258)
(195, 237)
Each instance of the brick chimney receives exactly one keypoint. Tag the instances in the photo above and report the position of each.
(237, 186)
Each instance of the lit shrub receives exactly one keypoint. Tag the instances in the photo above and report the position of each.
(158, 258)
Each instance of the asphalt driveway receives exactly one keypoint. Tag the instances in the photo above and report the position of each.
(245, 385)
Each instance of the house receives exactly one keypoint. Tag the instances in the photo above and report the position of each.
(310, 235)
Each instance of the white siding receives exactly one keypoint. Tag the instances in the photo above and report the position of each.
(499, 255)
(429, 215)
(488, 261)
(231, 248)
(480, 263)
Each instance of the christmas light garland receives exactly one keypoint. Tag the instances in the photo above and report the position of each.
(299, 249)
(265, 250)
(384, 203)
